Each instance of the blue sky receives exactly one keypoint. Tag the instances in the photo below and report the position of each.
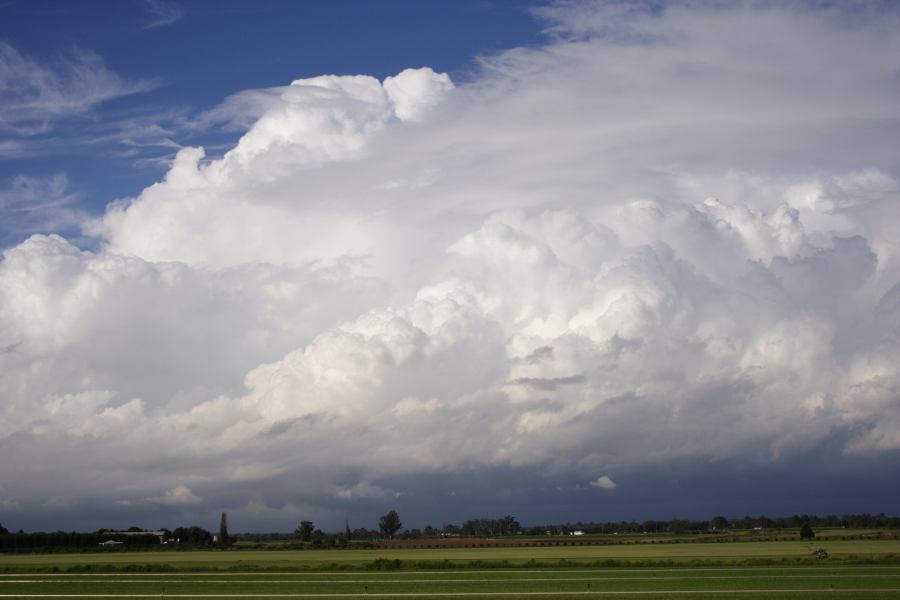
(563, 260)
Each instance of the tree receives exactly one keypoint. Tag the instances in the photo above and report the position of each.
(509, 525)
(347, 532)
(389, 524)
(192, 535)
(719, 523)
(305, 530)
(3, 530)
(806, 531)
(223, 529)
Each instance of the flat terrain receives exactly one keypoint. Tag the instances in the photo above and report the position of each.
(291, 560)
(857, 569)
(855, 582)
(767, 535)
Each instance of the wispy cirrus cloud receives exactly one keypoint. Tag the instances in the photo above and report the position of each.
(163, 13)
(239, 111)
(36, 95)
(54, 107)
(50, 107)
(36, 204)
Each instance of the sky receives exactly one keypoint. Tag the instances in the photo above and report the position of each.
(562, 260)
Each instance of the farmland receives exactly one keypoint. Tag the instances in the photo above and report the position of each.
(784, 570)
(660, 583)
(688, 554)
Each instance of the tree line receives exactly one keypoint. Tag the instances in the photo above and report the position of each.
(509, 525)
(133, 537)
(40, 541)
(390, 526)
(720, 523)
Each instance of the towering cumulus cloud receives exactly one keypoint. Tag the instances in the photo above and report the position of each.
(667, 236)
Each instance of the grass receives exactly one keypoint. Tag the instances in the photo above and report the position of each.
(857, 569)
(788, 583)
(686, 554)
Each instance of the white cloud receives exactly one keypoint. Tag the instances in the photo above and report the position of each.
(178, 495)
(414, 92)
(604, 483)
(608, 252)
(365, 490)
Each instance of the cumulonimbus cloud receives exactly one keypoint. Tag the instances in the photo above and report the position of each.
(602, 253)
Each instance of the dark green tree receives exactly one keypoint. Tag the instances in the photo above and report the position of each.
(223, 530)
(192, 535)
(806, 531)
(719, 523)
(509, 525)
(3, 530)
(389, 524)
(347, 533)
(305, 530)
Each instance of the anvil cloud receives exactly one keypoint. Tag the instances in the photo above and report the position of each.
(666, 235)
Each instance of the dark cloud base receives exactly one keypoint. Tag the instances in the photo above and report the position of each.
(819, 481)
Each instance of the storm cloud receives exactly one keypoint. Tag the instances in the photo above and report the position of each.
(663, 237)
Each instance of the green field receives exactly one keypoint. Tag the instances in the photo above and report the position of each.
(731, 553)
(782, 583)
(783, 570)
